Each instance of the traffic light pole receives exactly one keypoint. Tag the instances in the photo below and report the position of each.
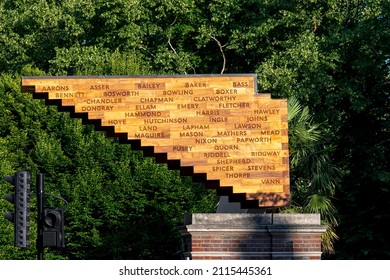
(40, 193)
(20, 216)
(50, 220)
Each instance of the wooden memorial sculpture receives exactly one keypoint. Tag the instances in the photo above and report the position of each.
(215, 128)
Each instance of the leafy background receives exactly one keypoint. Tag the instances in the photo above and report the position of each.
(329, 58)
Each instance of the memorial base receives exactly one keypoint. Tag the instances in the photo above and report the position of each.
(252, 236)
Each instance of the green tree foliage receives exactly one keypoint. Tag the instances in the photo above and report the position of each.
(120, 204)
(338, 66)
(331, 56)
(314, 177)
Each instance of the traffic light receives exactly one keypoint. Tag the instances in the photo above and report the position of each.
(53, 228)
(21, 200)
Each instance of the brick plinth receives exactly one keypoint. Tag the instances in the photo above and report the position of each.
(252, 236)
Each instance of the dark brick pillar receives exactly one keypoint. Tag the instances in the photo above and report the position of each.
(252, 236)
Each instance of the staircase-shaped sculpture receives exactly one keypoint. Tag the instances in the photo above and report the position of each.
(215, 128)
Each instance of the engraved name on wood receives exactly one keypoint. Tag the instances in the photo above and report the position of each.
(213, 127)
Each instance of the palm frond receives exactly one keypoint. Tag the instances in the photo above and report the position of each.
(314, 177)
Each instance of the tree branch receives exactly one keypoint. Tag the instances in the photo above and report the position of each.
(222, 52)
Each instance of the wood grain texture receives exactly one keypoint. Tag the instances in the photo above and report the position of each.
(216, 128)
